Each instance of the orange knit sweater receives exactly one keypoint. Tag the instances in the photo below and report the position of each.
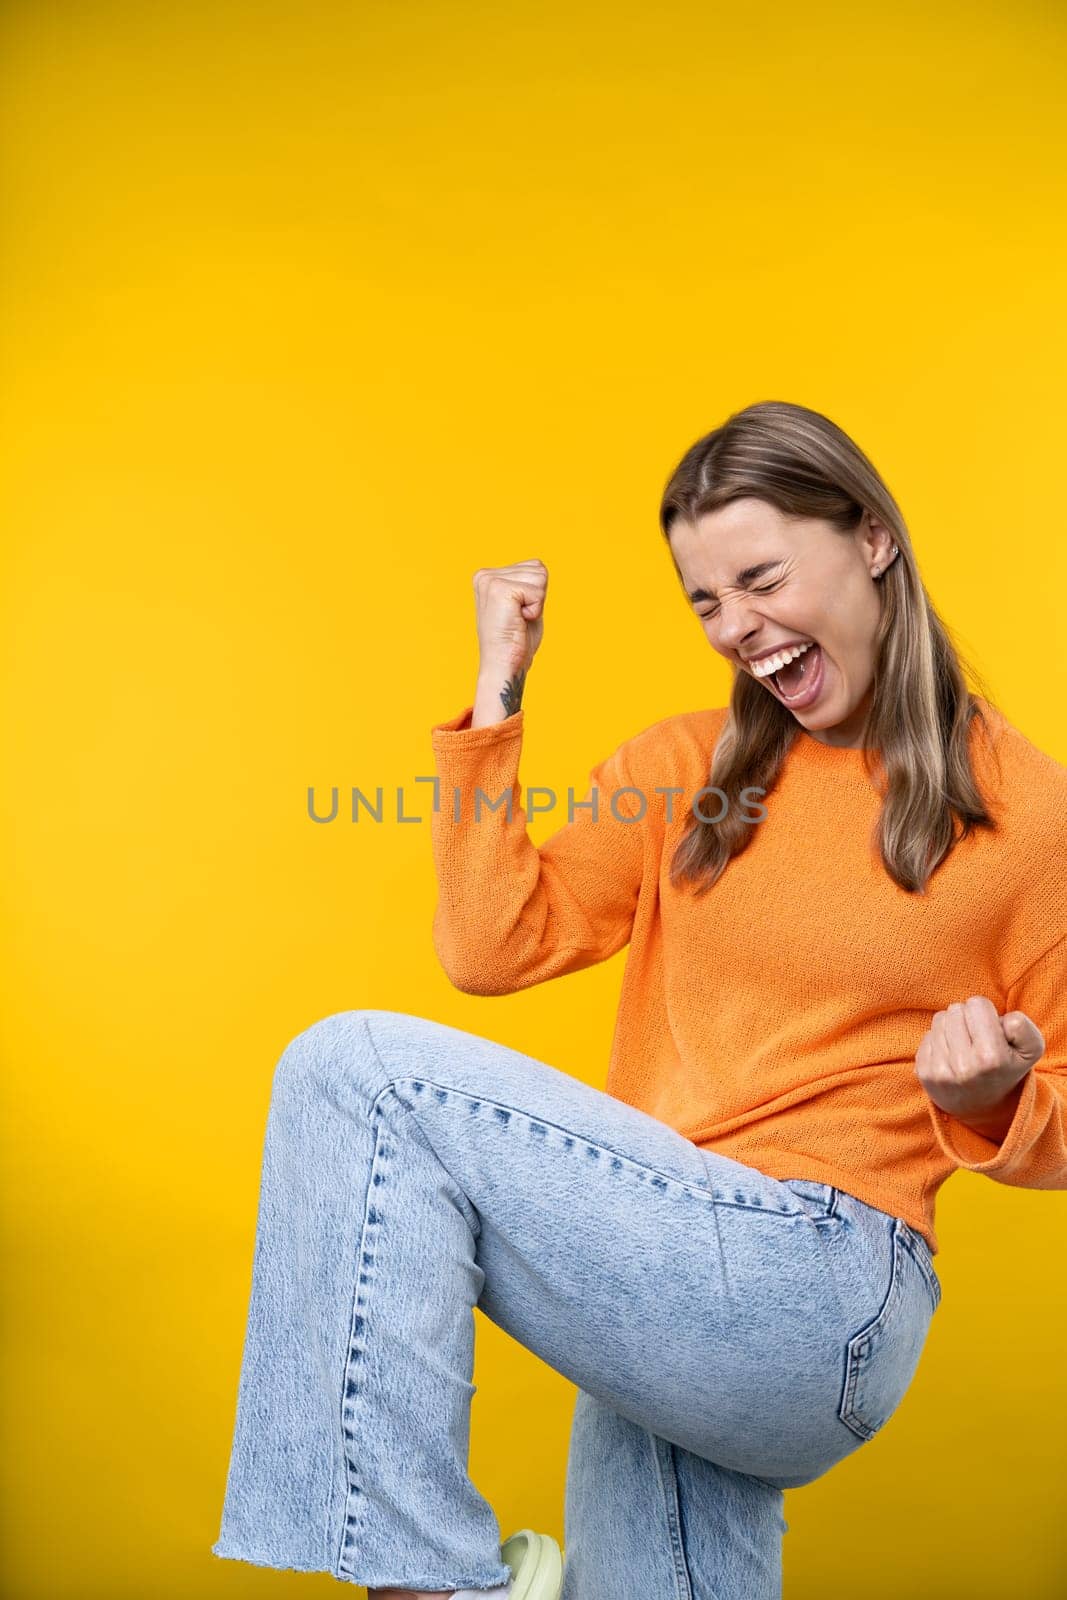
(777, 1018)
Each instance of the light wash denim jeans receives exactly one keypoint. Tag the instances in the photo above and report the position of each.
(730, 1335)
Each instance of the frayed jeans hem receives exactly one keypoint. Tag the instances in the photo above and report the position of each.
(430, 1584)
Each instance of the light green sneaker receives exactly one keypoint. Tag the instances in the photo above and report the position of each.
(536, 1563)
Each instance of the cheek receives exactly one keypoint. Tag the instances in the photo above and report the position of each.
(839, 623)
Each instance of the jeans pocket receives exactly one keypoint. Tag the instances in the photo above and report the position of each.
(820, 1200)
(881, 1358)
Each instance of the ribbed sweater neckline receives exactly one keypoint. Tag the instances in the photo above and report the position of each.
(834, 763)
(807, 747)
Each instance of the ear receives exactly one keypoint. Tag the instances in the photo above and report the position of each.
(876, 541)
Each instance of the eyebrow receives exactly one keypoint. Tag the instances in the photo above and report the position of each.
(744, 577)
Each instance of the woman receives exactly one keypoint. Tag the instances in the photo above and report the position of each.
(845, 897)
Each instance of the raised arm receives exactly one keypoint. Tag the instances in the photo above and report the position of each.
(509, 914)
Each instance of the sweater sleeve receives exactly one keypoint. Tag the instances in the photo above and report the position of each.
(509, 914)
(1033, 1152)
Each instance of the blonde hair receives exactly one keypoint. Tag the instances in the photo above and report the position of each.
(921, 710)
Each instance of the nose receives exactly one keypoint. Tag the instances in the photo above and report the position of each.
(737, 619)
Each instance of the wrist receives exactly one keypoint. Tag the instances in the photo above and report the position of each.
(497, 670)
(498, 693)
(994, 1123)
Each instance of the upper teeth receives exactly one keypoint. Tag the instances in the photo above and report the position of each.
(769, 664)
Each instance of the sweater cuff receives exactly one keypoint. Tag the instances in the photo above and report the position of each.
(973, 1151)
(457, 733)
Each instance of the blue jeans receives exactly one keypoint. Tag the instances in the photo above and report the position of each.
(730, 1335)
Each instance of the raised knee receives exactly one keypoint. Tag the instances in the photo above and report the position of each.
(337, 1049)
(361, 1047)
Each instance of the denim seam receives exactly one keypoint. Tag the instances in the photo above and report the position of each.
(372, 1217)
(703, 1193)
(916, 1248)
(421, 1080)
(857, 1351)
(660, 1178)
(667, 1472)
(350, 1525)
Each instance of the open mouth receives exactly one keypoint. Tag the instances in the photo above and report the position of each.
(799, 679)
(790, 679)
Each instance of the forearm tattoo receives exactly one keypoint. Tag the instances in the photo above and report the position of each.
(511, 694)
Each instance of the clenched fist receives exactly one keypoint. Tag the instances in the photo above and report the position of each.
(972, 1061)
(510, 607)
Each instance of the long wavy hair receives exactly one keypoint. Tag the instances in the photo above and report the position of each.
(919, 721)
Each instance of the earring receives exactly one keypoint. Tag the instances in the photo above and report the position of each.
(877, 573)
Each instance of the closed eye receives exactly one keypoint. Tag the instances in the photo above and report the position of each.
(767, 588)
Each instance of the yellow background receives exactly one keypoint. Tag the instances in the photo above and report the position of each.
(309, 311)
